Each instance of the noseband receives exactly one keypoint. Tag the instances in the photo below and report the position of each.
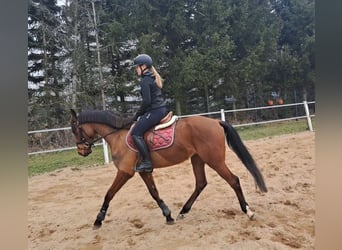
(84, 140)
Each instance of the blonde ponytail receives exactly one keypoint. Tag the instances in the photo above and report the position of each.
(159, 80)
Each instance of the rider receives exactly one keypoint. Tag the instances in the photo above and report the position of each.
(152, 109)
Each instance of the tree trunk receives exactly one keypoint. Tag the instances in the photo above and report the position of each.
(178, 107)
(74, 70)
(99, 58)
(206, 97)
(305, 94)
(45, 55)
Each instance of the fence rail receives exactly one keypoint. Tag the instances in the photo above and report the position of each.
(222, 113)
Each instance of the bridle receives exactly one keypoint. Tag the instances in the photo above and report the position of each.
(85, 139)
(89, 144)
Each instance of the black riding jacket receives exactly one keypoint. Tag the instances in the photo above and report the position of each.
(151, 94)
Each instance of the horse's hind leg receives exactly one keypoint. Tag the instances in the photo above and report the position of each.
(120, 179)
(201, 183)
(149, 181)
(234, 182)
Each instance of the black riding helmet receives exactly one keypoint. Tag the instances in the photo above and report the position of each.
(143, 59)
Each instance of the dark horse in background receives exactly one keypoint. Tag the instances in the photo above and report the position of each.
(199, 138)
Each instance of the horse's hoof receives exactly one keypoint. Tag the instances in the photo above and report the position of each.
(171, 222)
(97, 224)
(180, 216)
(250, 213)
(251, 216)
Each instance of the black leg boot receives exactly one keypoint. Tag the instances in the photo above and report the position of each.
(145, 164)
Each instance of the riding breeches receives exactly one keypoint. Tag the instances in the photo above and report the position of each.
(148, 120)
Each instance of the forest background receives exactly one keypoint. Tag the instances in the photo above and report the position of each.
(211, 54)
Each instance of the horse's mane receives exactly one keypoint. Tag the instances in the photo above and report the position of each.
(104, 117)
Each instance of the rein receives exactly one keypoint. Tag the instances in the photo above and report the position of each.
(91, 143)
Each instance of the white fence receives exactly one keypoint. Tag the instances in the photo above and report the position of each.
(222, 113)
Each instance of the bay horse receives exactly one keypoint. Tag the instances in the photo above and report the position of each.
(199, 138)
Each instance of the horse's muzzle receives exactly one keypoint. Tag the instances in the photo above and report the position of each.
(84, 151)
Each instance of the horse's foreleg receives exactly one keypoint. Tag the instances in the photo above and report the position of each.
(201, 183)
(120, 179)
(148, 179)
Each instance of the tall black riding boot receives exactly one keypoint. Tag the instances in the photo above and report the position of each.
(145, 164)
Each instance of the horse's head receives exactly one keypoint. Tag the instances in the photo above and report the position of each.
(84, 135)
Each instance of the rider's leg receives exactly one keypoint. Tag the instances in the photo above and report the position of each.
(146, 122)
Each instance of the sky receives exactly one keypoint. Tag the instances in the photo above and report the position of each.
(61, 2)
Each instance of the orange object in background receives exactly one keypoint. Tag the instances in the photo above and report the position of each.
(270, 102)
(280, 101)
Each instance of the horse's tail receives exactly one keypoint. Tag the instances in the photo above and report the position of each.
(235, 143)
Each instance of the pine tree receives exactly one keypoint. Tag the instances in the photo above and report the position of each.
(44, 73)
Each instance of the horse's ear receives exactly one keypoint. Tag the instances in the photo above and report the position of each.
(73, 115)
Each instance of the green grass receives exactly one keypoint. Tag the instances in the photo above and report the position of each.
(272, 129)
(42, 163)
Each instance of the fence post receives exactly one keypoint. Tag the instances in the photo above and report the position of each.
(307, 112)
(223, 118)
(105, 151)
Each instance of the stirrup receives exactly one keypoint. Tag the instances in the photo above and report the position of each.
(143, 168)
(146, 170)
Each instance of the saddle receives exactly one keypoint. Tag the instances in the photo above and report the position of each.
(159, 137)
(168, 120)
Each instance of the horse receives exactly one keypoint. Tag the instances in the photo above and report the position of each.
(200, 138)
